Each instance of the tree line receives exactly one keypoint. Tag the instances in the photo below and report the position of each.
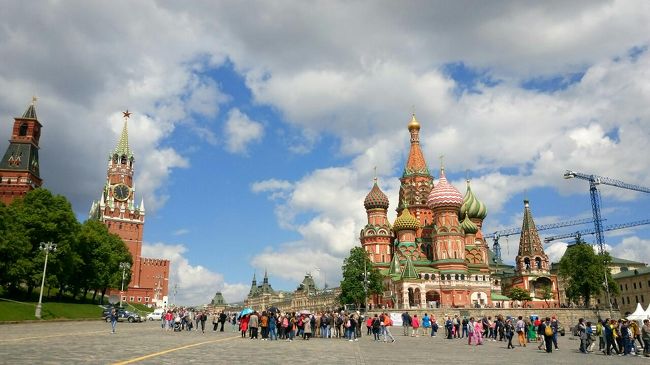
(87, 256)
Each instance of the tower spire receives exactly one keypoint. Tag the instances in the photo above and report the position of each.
(415, 163)
(122, 148)
(530, 245)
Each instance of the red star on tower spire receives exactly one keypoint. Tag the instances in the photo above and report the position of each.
(126, 114)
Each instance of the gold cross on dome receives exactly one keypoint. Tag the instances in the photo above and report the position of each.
(34, 99)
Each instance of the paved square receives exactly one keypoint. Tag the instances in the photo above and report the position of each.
(146, 343)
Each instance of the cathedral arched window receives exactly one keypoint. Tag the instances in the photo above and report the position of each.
(456, 277)
(527, 263)
(23, 130)
(123, 160)
(462, 276)
(426, 276)
(538, 262)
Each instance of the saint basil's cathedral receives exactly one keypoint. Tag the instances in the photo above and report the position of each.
(434, 254)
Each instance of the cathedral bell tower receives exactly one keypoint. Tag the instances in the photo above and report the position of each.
(19, 168)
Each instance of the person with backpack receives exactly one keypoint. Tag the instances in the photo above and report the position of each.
(406, 322)
(449, 327)
(546, 331)
(376, 325)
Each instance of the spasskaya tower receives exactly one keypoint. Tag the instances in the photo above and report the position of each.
(117, 209)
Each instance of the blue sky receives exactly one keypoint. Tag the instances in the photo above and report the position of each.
(256, 135)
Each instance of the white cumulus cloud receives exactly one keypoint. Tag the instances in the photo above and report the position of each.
(240, 131)
(196, 284)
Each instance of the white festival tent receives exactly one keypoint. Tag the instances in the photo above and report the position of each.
(639, 314)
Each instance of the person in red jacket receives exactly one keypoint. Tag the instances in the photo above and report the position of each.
(415, 323)
(243, 326)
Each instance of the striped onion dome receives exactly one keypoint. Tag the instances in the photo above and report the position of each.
(468, 226)
(444, 194)
(472, 206)
(376, 198)
(405, 221)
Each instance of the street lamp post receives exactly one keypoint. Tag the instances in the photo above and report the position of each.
(124, 266)
(365, 284)
(47, 247)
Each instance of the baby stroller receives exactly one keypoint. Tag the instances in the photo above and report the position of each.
(177, 324)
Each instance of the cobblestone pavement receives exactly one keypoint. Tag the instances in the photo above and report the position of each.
(146, 343)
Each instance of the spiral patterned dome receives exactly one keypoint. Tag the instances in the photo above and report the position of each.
(444, 194)
(468, 226)
(376, 198)
(405, 221)
(472, 206)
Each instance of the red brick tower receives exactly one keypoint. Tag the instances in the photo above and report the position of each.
(416, 181)
(376, 235)
(19, 169)
(116, 208)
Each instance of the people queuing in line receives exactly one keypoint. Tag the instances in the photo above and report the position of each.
(618, 337)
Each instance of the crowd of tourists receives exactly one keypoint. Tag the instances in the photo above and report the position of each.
(613, 336)
(187, 319)
(270, 326)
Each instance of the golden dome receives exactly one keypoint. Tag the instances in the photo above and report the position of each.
(414, 124)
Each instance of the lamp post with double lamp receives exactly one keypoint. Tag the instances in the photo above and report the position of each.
(124, 266)
(47, 247)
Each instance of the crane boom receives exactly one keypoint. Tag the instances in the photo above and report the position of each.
(585, 232)
(605, 180)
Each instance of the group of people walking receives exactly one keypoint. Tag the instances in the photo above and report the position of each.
(476, 330)
(615, 337)
(272, 326)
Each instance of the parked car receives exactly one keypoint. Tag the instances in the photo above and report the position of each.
(156, 315)
(122, 315)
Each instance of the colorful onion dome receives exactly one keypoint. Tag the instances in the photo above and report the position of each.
(414, 124)
(468, 226)
(405, 221)
(472, 206)
(444, 194)
(376, 198)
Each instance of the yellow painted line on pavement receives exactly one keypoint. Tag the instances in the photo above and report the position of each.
(49, 336)
(136, 359)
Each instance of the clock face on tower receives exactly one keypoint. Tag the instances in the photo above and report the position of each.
(121, 192)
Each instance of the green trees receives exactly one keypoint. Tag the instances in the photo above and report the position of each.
(584, 271)
(87, 256)
(519, 294)
(352, 285)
